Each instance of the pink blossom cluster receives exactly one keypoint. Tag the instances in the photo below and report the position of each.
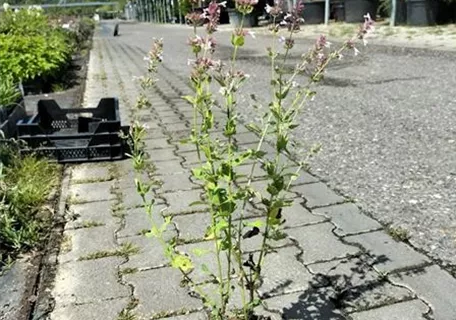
(156, 52)
(293, 19)
(199, 44)
(366, 29)
(275, 10)
(212, 15)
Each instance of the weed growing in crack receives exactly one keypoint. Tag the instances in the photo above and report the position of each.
(91, 224)
(67, 244)
(126, 315)
(219, 158)
(128, 271)
(125, 250)
(398, 233)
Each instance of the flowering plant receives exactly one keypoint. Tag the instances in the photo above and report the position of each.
(228, 193)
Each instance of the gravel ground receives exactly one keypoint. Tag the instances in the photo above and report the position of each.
(387, 123)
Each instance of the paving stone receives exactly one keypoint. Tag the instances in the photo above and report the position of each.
(15, 287)
(151, 253)
(297, 215)
(107, 310)
(246, 137)
(302, 178)
(148, 120)
(177, 127)
(254, 243)
(163, 155)
(171, 120)
(260, 187)
(245, 171)
(89, 192)
(309, 304)
(319, 243)
(159, 143)
(179, 201)
(348, 219)
(155, 134)
(362, 285)
(435, 286)
(177, 182)
(191, 159)
(137, 220)
(82, 242)
(158, 291)
(166, 113)
(91, 172)
(169, 167)
(208, 258)
(99, 212)
(409, 310)
(131, 198)
(389, 254)
(270, 151)
(192, 226)
(185, 147)
(88, 281)
(191, 316)
(317, 195)
(283, 273)
(127, 180)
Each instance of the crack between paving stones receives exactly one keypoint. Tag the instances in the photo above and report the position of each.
(120, 277)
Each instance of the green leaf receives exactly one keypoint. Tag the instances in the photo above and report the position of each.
(181, 262)
(256, 223)
(189, 99)
(196, 203)
(200, 252)
(237, 40)
(282, 141)
(205, 269)
(253, 128)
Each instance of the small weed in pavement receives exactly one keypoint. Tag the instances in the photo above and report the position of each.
(125, 250)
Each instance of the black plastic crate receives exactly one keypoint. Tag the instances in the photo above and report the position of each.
(74, 135)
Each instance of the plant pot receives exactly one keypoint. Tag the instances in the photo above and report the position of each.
(314, 12)
(355, 10)
(250, 20)
(9, 116)
(421, 12)
(338, 11)
(444, 12)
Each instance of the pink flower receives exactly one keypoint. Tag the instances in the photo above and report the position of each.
(212, 13)
(356, 51)
(322, 42)
(275, 10)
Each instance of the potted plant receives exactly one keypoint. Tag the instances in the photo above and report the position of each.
(11, 106)
(356, 9)
(421, 12)
(314, 11)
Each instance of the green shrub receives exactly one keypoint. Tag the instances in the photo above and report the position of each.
(31, 46)
(25, 57)
(24, 22)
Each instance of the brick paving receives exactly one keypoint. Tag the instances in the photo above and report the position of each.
(336, 262)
